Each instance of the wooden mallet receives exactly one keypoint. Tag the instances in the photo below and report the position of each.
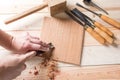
(55, 7)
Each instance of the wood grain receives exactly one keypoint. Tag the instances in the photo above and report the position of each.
(93, 54)
(106, 72)
(66, 36)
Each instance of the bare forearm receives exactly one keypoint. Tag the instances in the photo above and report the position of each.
(5, 39)
(1, 66)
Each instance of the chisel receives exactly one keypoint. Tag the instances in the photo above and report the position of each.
(88, 29)
(90, 3)
(78, 14)
(103, 17)
(99, 25)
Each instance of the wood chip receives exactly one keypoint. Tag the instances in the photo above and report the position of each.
(50, 64)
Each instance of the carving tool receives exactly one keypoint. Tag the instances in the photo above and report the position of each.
(80, 15)
(90, 3)
(87, 28)
(103, 17)
(46, 54)
(99, 25)
(55, 7)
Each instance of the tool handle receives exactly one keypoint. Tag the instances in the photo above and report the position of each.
(99, 25)
(104, 35)
(110, 21)
(95, 35)
(26, 13)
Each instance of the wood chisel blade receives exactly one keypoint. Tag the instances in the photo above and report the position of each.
(49, 52)
(89, 2)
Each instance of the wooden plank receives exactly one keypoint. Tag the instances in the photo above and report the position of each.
(108, 72)
(100, 55)
(67, 37)
(12, 6)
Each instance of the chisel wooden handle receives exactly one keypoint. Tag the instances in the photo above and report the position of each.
(104, 35)
(26, 13)
(110, 21)
(95, 35)
(99, 25)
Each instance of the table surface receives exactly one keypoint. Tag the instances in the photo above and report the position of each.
(94, 53)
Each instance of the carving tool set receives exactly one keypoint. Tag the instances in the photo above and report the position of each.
(103, 17)
(97, 30)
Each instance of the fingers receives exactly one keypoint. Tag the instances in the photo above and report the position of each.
(36, 40)
(36, 44)
(21, 67)
(33, 37)
(37, 47)
(27, 56)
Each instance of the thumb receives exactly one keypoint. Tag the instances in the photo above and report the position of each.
(28, 55)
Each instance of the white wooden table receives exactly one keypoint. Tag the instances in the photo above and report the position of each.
(93, 52)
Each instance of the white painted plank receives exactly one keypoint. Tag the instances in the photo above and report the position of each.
(99, 55)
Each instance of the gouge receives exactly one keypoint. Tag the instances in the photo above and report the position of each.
(103, 17)
(46, 54)
(78, 14)
(99, 25)
(88, 29)
(90, 3)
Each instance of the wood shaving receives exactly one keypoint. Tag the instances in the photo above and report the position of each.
(36, 72)
(48, 63)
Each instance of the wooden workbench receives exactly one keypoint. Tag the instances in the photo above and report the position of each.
(98, 62)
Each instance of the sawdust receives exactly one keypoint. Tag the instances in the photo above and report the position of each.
(52, 69)
(48, 63)
(36, 72)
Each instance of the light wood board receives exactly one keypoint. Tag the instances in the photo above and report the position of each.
(107, 72)
(67, 37)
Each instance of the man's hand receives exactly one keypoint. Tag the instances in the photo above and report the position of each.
(27, 43)
(13, 64)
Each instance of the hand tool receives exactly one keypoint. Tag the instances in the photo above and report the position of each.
(80, 15)
(103, 17)
(55, 7)
(90, 3)
(99, 25)
(87, 28)
(46, 54)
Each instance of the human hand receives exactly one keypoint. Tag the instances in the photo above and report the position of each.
(14, 64)
(27, 43)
